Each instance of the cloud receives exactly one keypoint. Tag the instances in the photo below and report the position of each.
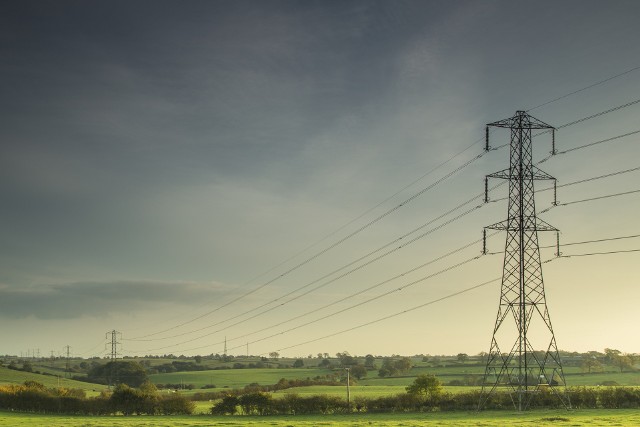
(100, 299)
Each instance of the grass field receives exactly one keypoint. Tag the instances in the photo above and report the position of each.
(617, 417)
(236, 378)
(371, 386)
(9, 376)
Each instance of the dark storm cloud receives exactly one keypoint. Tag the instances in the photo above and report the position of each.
(92, 299)
(107, 105)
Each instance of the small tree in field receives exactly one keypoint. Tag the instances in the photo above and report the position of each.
(359, 371)
(591, 364)
(427, 386)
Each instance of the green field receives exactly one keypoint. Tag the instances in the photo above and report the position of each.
(236, 378)
(9, 376)
(370, 386)
(617, 417)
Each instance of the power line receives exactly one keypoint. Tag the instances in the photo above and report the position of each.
(601, 253)
(609, 175)
(395, 241)
(332, 246)
(384, 282)
(583, 119)
(585, 88)
(434, 301)
(398, 289)
(92, 350)
(375, 298)
(598, 142)
(466, 246)
(563, 204)
(593, 116)
(410, 284)
(242, 296)
(599, 198)
(381, 319)
(375, 220)
(319, 286)
(584, 242)
(467, 202)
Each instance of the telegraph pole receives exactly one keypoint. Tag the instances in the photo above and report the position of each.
(523, 362)
(348, 386)
(67, 370)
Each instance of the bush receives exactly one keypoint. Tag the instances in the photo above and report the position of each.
(228, 406)
(255, 403)
(175, 404)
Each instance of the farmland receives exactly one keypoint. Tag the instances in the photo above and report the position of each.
(619, 418)
(217, 374)
(206, 379)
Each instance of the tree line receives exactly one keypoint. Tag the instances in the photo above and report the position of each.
(35, 397)
(425, 394)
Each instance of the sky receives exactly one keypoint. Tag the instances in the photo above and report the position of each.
(187, 173)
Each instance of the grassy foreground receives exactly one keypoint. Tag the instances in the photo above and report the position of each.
(613, 417)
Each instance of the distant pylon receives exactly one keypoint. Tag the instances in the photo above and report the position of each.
(523, 328)
(113, 334)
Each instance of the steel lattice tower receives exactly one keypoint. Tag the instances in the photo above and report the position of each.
(523, 328)
(114, 355)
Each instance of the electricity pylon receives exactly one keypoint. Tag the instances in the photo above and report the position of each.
(523, 328)
(113, 377)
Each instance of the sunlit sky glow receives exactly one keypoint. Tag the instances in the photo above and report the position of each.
(159, 160)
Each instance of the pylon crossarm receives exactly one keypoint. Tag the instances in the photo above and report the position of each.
(503, 174)
(502, 225)
(540, 175)
(544, 226)
(521, 120)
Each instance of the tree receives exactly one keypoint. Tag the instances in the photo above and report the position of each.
(127, 400)
(623, 361)
(274, 355)
(227, 406)
(402, 365)
(384, 372)
(347, 360)
(427, 386)
(126, 372)
(462, 357)
(590, 364)
(358, 371)
(370, 361)
(610, 354)
(392, 367)
(298, 363)
(389, 368)
(253, 403)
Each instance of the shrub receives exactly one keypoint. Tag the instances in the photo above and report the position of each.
(227, 406)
